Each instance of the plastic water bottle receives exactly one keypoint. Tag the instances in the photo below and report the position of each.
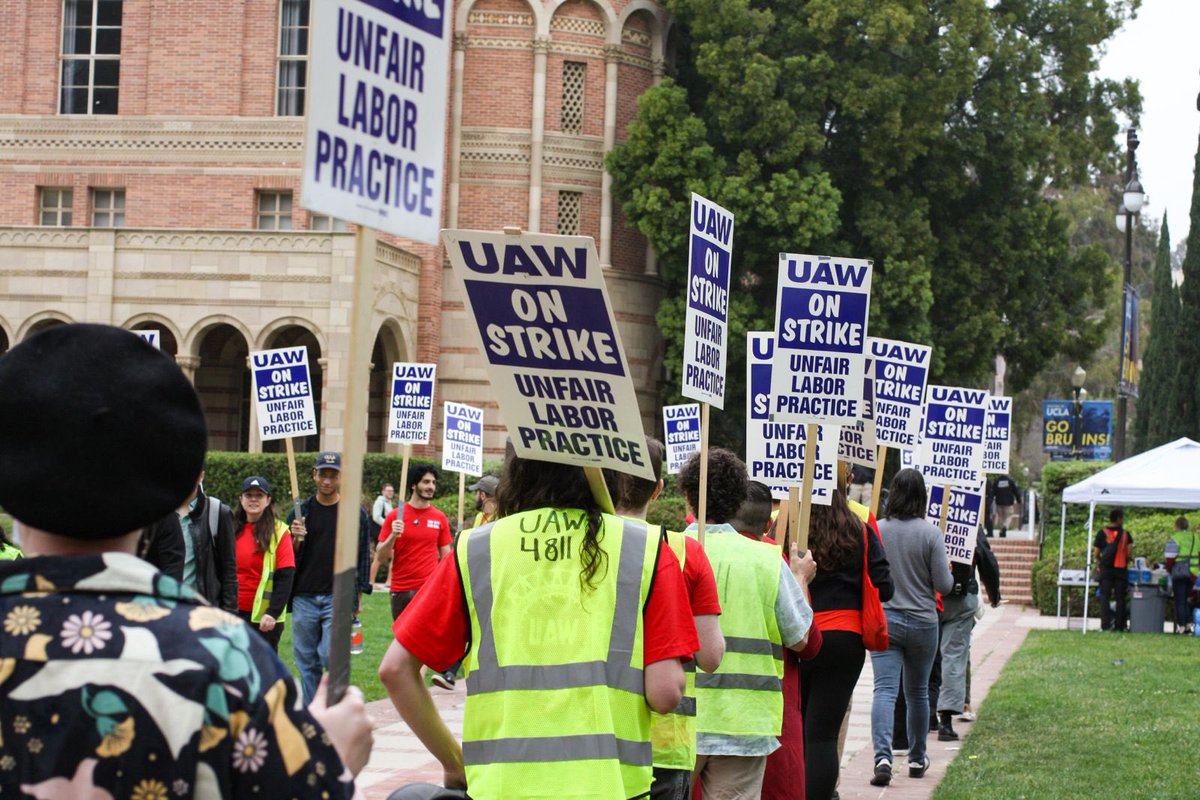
(356, 637)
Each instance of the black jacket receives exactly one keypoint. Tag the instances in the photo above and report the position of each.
(362, 572)
(216, 556)
(989, 571)
(161, 544)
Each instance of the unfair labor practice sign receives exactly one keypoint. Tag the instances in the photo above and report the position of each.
(706, 324)
(681, 428)
(996, 436)
(899, 372)
(462, 438)
(376, 130)
(775, 451)
(952, 436)
(283, 393)
(546, 328)
(820, 339)
(857, 444)
(962, 519)
(410, 414)
(151, 336)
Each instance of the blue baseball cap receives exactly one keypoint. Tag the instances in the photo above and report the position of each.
(256, 482)
(329, 459)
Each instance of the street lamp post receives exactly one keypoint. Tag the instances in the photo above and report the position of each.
(1133, 198)
(1077, 379)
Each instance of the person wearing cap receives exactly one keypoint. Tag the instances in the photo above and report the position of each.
(314, 537)
(485, 499)
(265, 562)
(120, 681)
(210, 560)
(573, 623)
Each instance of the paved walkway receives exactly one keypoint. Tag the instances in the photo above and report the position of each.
(398, 757)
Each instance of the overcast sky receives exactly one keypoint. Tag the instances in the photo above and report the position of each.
(1160, 50)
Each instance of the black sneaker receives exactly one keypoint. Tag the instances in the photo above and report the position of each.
(444, 680)
(917, 769)
(946, 733)
(883, 773)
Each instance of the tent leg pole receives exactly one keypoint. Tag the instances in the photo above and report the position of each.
(1087, 575)
(1062, 538)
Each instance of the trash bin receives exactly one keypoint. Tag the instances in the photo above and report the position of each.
(1147, 608)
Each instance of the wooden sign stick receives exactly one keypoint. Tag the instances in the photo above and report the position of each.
(782, 527)
(595, 479)
(945, 508)
(702, 511)
(402, 496)
(345, 554)
(291, 458)
(462, 495)
(810, 463)
(880, 461)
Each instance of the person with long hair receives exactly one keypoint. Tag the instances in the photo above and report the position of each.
(837, 538)
(266, 564)
(572, 625)
(920, 568)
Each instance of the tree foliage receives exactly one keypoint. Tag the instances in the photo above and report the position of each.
(1185, 399)
(928, 135)
(1151, 426)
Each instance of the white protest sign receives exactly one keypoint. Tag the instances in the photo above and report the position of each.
(375, 137)
(775, 451)
(706, 324)
(544, 323)
(996, 437)
(151, 336)
(899, 371)
(820, 337)
(681, 425)
(462, 438)
(410, 414)
(857, 444)
(962, 520)
(283, 394)
(952, 436)
(908, 458)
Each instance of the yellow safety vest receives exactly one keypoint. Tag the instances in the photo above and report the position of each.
(262, 595)
(674, 735)
(556, 702)
(744, 697)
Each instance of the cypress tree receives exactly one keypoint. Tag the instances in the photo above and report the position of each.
(1185, 399)
(1151, 426)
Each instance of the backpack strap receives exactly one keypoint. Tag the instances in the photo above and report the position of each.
(214, 516)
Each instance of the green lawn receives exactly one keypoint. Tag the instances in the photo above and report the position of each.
(377, 635)
(1095, 716)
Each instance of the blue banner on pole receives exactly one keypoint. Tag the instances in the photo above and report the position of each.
(1095, 429)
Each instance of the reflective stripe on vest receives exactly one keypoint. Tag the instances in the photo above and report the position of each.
(574, 729)
(674, 735)
(744, 697)
(266, 583)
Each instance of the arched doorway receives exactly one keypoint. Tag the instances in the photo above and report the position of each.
(223, 383)
(388, 350)
(4, 343)
(296, 336)
(43, 324)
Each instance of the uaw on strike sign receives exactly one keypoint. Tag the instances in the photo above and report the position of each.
(710, 250)
(283, 393)
(546, 327)
(410, 414)
(376, 131)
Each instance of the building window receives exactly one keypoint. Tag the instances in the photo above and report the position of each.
(322, 222)
(293, 58)
(275, 211)
(91, 57)
(54, 206)
(574, 79)
(108, 208)
(568, 212)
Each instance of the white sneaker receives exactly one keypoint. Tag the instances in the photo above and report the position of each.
(967, 716)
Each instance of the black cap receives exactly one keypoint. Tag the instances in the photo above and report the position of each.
(329, 459)
(256, 482)
(99, 410)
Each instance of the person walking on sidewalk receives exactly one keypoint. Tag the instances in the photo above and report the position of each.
(916, 554)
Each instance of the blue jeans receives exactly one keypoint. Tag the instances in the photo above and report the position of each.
(312, 617)
(912, 645)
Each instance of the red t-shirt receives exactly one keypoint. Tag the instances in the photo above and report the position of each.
(250, 564)
(415, 552)
(699, 579)
(436, 626)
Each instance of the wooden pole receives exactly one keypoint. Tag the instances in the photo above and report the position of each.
(462, 495)
(291, 458)
(810, 462)
(402, 496)
(877, 490)
(595, 479)
(702, 511)
(782, 519)
(404, 459)
(945, 508)
(357, 375)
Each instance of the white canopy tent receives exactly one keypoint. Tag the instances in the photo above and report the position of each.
(1165, 477)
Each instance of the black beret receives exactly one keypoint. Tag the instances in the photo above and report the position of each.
(100, 432)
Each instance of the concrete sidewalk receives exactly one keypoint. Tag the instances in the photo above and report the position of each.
(398, 758)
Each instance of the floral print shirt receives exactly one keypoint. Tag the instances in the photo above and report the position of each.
(119, 683)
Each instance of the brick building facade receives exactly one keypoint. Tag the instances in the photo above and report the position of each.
(150, 157)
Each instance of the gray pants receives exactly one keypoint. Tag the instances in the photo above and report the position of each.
(958, 620)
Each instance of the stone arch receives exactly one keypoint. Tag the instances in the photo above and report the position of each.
(671, 45)
(222, 380)
(389, 348)
(169, 339)
(603, 6)
(6, 339)
(541, 17)
(269, 336)
(40, 322)
(647, 9)
(191, 340)
(294, 332)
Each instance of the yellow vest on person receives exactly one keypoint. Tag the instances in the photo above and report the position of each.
(861, 511)
(674, 735)
(556, 702)
(744, 697)
(266, 583)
